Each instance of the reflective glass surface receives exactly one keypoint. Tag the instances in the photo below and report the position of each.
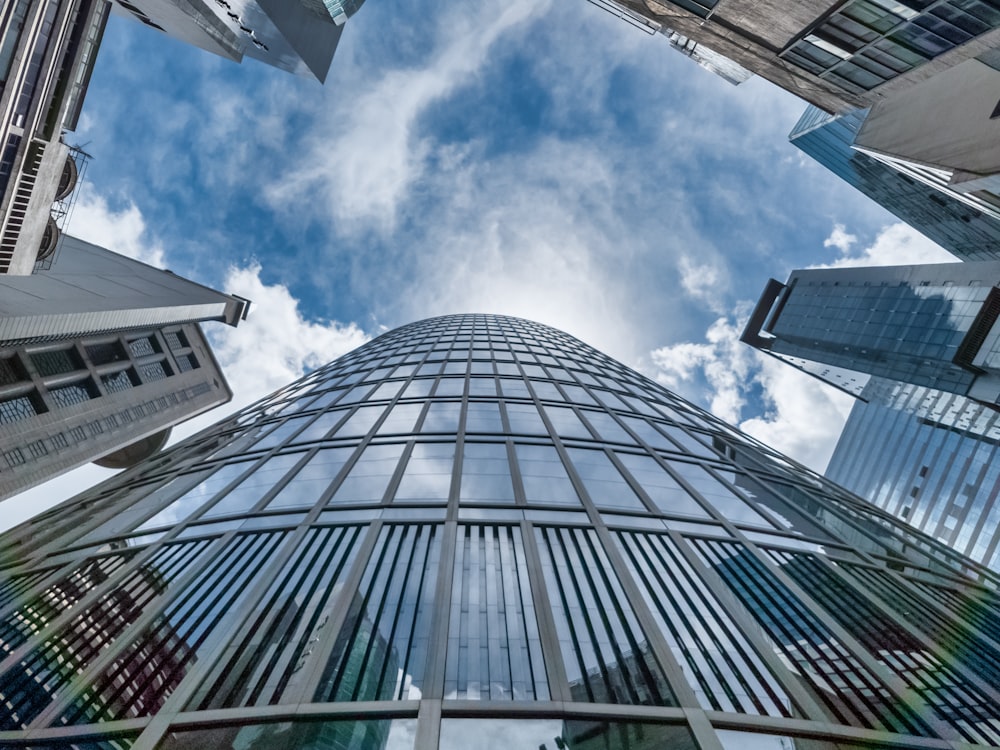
(476, 531)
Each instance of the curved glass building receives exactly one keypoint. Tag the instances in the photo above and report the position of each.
(478, 532)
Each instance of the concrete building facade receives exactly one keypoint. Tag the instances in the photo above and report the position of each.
(99, 357)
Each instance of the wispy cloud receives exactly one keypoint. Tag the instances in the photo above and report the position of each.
(121, 229)
(897, 244)
(366, 157)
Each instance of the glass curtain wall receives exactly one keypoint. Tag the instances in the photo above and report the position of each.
(477, 531)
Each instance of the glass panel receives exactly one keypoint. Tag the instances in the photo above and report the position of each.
(401, 420)
(486, 474)
(248, 493)
(607, 657)
(391, 734)
(147, 670)
(381, 651)
(52, 667)
(720, 497)
(566, 424)
(607, 427)
(370, 475)
(360, 422)
(312, 479)
(483, 417)
(427, 477)
(556, 734)
(604, 483)
(182, 508)
(275, 646)
(494, 652)
(442, 416)
(845, 685)
(544, 476)
(524, 419)
(723, 669)
(661, 487)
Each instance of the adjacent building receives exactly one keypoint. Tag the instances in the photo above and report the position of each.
(928, 325)
(929, 458)
(99, 357)
(47, 52)
(834, 54)
(299, 36)
(966, 224)
(478, 526)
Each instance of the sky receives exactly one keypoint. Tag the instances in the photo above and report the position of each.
(538, 158)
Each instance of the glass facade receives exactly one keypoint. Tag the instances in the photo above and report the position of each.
(929, 458)
(478, 531)
(965, 224)
(865, 43)
(929, 325)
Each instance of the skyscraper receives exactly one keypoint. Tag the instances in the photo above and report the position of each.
(47, 52)
(99, 357)
(299, 36)
(929, 458)
(929, 325)
(965, 224)
(834, 54)
(479, 530)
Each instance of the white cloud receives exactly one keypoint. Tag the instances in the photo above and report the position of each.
(803, 417)
(897, 244)
(276, 344)
(840, 239)
(726, 364)
(121, 230)
(797, 414)
(706, 282)
(363, 159)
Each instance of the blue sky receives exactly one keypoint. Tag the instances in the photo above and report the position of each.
(540, 158)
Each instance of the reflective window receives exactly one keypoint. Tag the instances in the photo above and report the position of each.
(607, 427)
(418, 388)
(276, 645)
(57, 662)
(566, 424)
(605, 484)
(369, 477)
(486, 474)
(248, 493)
(524, 419)
(381, 651)
(427, 477)
(514, 388)
(182, 508)
(442, 416)
(401, 419)
(721, 666)
(557, 734)
(393, 734)
(494, 651)
(450, 387)
(360, 422)
(661, 487)
(720, 497)
(544, 476)
(482, 387)
(312, 479)
(606, 655)
(483, 417)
